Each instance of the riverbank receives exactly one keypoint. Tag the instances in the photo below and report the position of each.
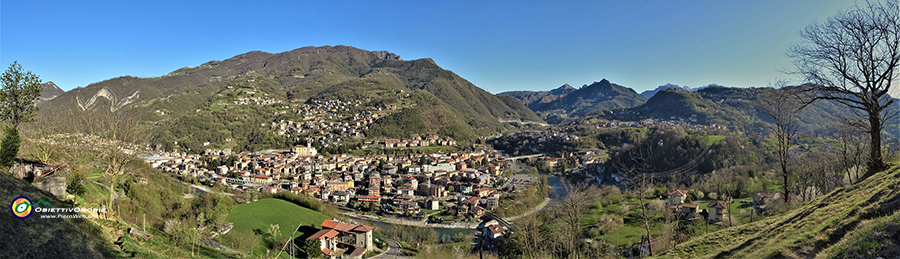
(422, 223)
(408, 222)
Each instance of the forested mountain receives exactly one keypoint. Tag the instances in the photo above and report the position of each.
(186, 105)
(650, 93)
(733, 107)
(597, 96)
(536, 100)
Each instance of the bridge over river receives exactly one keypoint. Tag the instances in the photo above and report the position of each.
(520, 157)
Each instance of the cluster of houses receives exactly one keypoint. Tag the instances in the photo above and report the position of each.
(673, 122)
(541, 137)
(717, 210)
(261, 100)
(431, 139)
(402, 185)
(636, 119)
(324, 117)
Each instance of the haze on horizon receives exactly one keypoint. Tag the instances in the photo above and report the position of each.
(498, 45)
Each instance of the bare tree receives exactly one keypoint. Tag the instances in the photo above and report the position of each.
(638, 173)
(37, 136)
(852, 58)
(782, 105)
(527, 241)
(575, 204)
(852, 151)
(110, 134)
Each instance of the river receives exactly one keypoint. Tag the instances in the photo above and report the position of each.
(441, 232)
(559, 191)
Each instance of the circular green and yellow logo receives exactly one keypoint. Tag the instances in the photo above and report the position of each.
(21, 207)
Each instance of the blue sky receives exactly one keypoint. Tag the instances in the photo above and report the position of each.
(498, 45)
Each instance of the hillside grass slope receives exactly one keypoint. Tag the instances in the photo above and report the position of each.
(261, 214)
(856, 221)
(36, 237)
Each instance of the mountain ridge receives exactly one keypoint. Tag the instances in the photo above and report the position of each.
(535, 100)
(649, 93)
(51, 90)
(300, 75)
(597, 96)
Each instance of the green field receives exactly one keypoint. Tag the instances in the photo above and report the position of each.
(259, 214)
(216, 107)
(715, 139)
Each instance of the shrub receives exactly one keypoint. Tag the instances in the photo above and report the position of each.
(9, 147)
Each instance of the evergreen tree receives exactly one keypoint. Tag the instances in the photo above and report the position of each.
(9, 147)
(313, 248)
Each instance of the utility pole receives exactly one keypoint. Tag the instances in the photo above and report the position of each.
(145, 222)
(292, 241)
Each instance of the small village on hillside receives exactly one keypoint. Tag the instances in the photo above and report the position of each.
(399, 185)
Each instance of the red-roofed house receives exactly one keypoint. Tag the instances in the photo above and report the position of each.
(676, 197)
(339, 235)
(493, 231)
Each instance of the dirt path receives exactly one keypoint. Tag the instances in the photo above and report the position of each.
(531, 211)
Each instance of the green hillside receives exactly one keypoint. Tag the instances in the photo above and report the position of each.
(669, 103)
(857, 221)
(260, 214)
(734, 107)
(36, 237)
(194, 105)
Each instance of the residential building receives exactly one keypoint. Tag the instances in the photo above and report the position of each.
(676, 197)
(493, 231)
(765, 198)
(432, 204)
(718, 210)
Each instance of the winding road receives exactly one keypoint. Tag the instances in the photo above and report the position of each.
(529, 212)
(206, 189)
(394, 250)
